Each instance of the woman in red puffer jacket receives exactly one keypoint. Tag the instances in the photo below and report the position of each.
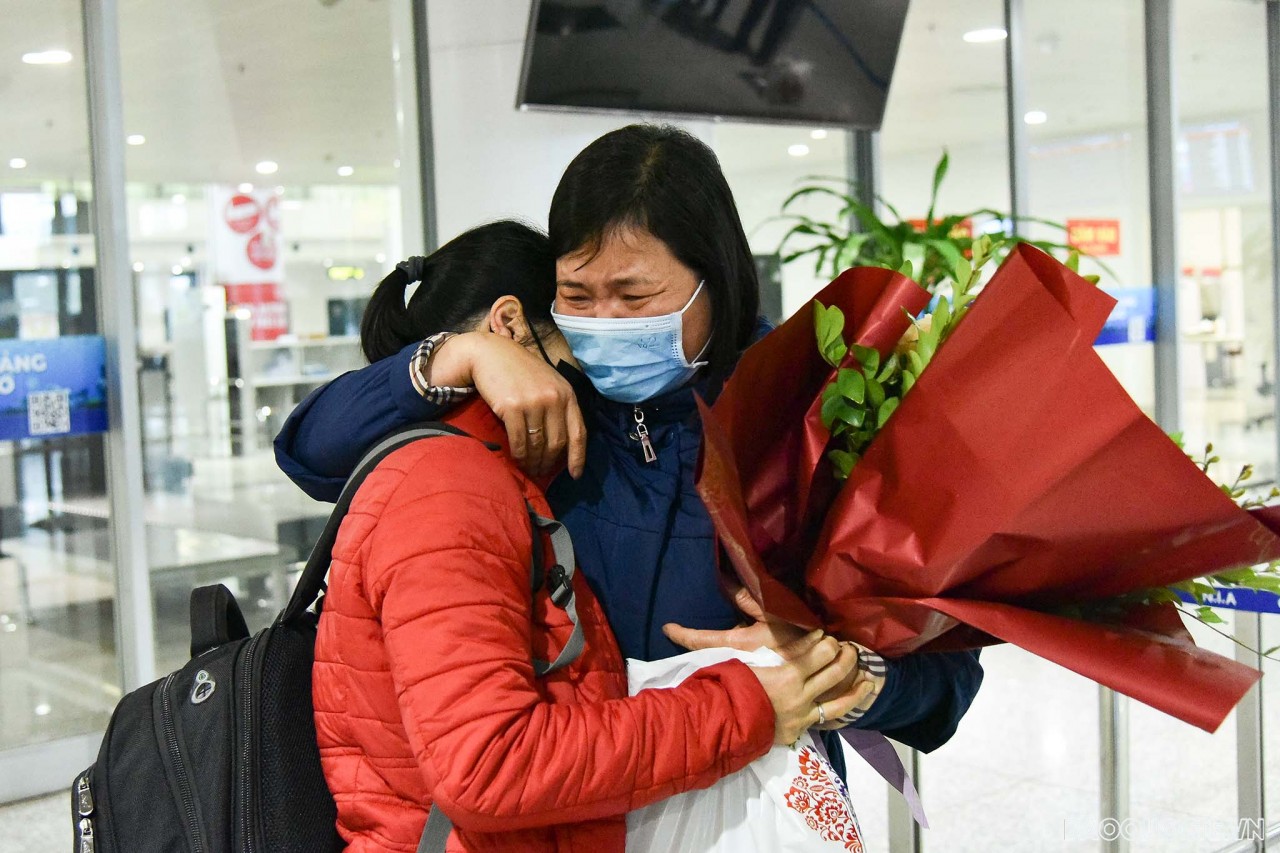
(423, 683)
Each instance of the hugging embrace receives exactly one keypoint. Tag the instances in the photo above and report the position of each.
(572, 362)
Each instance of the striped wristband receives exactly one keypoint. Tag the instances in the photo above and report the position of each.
(876, 669)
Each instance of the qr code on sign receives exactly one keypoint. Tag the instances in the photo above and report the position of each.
(49, 412)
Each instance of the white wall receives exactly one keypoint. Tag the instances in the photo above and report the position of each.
(492, 160)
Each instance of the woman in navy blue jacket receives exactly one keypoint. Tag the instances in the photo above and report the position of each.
(657, 296)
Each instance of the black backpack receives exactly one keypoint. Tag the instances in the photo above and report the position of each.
(220, 756)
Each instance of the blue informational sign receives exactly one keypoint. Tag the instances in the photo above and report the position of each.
(1133, 321)
(1236, 598)
(53, 387)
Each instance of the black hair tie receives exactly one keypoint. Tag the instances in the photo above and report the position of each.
(414, 268)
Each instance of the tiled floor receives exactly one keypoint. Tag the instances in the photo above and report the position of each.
(41, 825)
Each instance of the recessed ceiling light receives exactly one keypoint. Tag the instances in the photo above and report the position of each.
(818, 134)
(346, 171)
(380, 258)
(267, 167)
(798, 150)
(136, 139)
(17, 163)
(138, 266)
(985, 35)
(43, 709)
(245, 188)
(177, 270)
(46, 57)
(1036, 117)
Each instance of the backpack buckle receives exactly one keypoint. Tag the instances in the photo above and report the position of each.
(559, 586)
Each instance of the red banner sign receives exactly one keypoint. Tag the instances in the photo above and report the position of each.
(963, 228)
(268, 312)
(1097, 237)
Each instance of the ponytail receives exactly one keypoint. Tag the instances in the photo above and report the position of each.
(385, 328)
(460, 282)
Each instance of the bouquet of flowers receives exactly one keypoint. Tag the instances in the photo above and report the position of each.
(980, 478)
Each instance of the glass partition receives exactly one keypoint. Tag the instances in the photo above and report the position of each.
(265, 203)
(59, 674)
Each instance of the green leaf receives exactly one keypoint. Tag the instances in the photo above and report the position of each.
(907, 270)
(916, 362)
(908, 382)
(939, 172)
(854, 416)
(830, 408)
(829, 326)
(813, 190)
(844, 462)
(868, 357)
(1270, 583)
(1073, 261)
(852, 385)
(887, 408)
(875, 393)
(890, 365)
(950, 252)
(1205, 614)
(962, 271)
(848, 251)
(941, 319)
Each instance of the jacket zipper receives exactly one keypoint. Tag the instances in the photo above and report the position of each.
(246, 746)
(84, 811)
(642, 435)
(179, 768)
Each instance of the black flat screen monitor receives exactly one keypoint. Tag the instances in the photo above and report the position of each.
(825, 62)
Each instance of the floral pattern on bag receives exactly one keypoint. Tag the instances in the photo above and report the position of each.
(821, 798)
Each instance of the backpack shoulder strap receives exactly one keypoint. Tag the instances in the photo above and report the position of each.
(559, 586)
(312, 581)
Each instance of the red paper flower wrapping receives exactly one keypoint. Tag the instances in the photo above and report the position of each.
(1017, 476)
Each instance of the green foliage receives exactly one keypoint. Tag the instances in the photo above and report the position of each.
(867, 390)
(931, 254)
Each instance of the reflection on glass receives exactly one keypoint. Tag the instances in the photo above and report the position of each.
(58, 670)
(264, 205)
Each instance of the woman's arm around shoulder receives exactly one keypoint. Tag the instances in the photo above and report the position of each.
(327, 433)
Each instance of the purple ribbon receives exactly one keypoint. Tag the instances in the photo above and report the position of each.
(876, 750)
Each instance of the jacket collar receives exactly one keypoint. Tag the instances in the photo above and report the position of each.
(475, 418)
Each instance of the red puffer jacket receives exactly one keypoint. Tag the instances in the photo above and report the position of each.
(424, 688)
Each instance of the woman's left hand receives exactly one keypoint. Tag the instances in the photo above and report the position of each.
(761, 631)
(775, 634)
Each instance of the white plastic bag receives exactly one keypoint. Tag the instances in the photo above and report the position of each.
(787, 800)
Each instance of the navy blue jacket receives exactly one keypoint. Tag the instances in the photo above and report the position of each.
(640, 530)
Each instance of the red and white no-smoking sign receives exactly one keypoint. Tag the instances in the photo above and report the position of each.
(242, 213)
(246, 246)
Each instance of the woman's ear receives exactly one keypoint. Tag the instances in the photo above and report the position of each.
(506, 318)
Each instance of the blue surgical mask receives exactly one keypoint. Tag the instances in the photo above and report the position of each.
(631, 359)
